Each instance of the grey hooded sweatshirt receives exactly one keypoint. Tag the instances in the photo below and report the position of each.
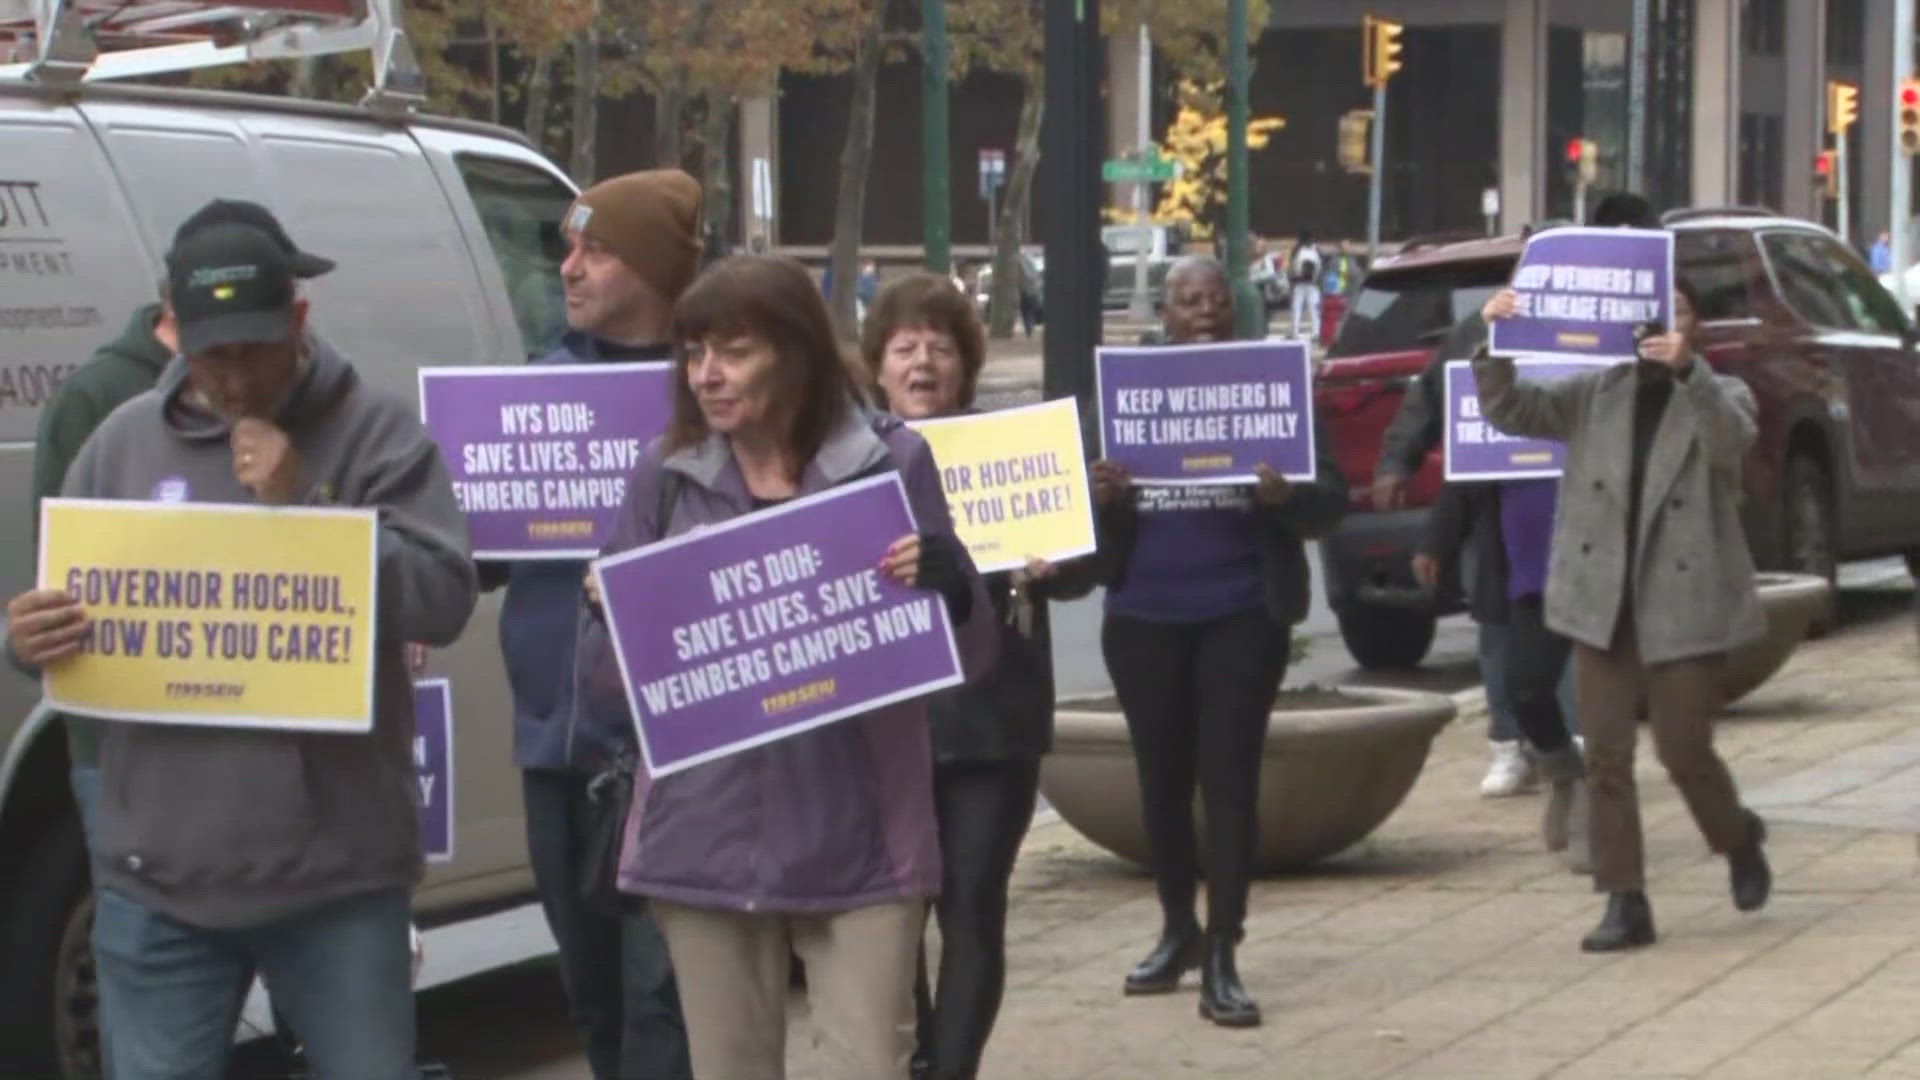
(225, 828)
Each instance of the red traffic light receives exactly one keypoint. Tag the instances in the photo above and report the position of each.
(1910, 96)
(1823, 163)
(1575, 150)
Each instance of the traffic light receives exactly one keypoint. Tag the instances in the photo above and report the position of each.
(1380, 50)
(1826, 175)
(1843, 106)
(1583, 160)
(1910, 117)
(1355, 129)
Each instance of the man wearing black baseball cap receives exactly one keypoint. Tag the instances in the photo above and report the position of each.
(218, 852)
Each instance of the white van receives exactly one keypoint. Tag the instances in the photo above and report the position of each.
(447, 236)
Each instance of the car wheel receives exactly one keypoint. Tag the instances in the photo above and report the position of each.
(49, 998)
(1809, 541)
(1386, 637)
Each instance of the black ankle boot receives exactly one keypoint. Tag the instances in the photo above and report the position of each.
(1223, 999)
(1178, 952)
(1747, 870)
(1627, 924)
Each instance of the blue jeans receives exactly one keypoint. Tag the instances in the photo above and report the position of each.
(1502, 725)
(86, 795)
(172, 993)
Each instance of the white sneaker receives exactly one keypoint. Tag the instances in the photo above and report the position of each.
(1510, 773)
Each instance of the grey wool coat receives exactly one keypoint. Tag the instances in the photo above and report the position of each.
(1692, 575)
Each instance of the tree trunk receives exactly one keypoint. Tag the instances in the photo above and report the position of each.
(539, 94)
(586, 106)
(716, 160)
(669, 128)
(1007, 232)
(493, 68)
(855, 157)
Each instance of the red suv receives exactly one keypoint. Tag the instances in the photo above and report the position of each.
(1828, 352)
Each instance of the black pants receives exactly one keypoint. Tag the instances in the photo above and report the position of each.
(1196, 697)
(984, 811)
(1537, 660)
(619, 981)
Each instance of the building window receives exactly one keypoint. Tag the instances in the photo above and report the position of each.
(1846, 32)
(1764, 26)
(1762, 160)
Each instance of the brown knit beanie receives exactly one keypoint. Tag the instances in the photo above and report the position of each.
(651, 220)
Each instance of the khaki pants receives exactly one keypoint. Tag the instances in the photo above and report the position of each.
(734, 967)
(1682, 698)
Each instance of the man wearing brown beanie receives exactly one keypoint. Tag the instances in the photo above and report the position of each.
(635, 247)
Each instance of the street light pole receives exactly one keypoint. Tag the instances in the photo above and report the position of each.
(1379, 155)
(1246, 306)
(936, 191)
(1637, 50)
(1899, 240)
(1142, 308)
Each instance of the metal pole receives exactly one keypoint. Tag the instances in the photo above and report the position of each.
(1638, 46)
(1070, 189)
(1379, 155)
(1843, 216)
(1899, 239)
(1142, 307)
(1579, 202)
(936, 194)
(1248, 313)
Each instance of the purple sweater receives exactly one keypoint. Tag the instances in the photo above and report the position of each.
(1526, 530)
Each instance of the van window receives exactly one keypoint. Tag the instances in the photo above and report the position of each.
(1829, 287)
(522, 208)
(1715, 264)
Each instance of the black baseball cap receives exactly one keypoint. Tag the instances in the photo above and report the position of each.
(230, 284)
(242, 212)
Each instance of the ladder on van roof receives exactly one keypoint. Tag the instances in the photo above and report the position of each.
(67, 42)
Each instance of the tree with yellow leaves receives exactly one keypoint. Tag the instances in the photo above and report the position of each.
(1197, 142)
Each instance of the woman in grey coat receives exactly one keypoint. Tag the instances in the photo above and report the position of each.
(1651, 578)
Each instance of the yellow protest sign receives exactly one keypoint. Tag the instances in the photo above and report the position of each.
(231, 616)
(1016, 481)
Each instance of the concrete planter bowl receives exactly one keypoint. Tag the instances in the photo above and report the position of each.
(1331, 773)
(1791, 601)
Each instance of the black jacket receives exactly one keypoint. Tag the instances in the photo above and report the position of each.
(1468, 515)
(1007, 714)
(1415, 429)
(1312, 509)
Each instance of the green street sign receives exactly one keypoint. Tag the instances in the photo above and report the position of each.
(1157, 170)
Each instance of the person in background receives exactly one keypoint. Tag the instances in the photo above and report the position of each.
(1653, 583)
(1204, 586)
(1303, 273)
(220, 851)
(1881, 254)
(634, 247)
(924, 346)
(778, 848)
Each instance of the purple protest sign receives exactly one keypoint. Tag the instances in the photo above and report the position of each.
(1476, 450)
(433, 766)
(1584, 291)
(540, 454)
(772, 624)
(1208, 414)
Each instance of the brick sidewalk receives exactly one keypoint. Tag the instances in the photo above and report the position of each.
(1447, 945)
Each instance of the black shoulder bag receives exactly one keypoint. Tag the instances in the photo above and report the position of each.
(610, 793)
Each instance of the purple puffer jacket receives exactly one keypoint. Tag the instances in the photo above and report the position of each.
(837, 818)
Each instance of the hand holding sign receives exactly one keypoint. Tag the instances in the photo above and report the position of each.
(46, 626)
(1501, 305)
(1110, 482)
(265, 461)
(1270, 488)
(1668, 348)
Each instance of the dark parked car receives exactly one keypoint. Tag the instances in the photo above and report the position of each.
(1784, 305)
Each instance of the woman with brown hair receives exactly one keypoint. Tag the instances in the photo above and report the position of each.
(823, 843)
(923, 346)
